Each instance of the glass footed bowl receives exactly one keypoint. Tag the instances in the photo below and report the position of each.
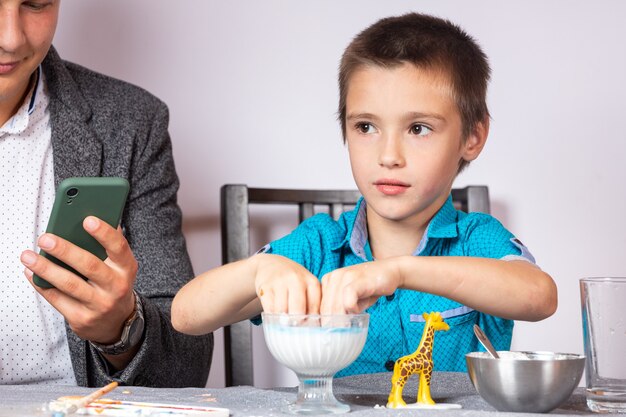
(315, 347)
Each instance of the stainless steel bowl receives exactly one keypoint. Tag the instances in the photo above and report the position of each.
(533, 382)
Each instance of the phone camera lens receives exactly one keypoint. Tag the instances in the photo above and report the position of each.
(72, 192)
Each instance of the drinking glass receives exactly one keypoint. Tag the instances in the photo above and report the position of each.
(315, 347)
(603, 303)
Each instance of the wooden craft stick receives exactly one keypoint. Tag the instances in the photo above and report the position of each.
(84, 401)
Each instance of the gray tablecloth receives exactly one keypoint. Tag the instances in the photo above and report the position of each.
(362, 392)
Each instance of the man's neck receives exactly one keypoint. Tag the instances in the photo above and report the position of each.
(10, 105)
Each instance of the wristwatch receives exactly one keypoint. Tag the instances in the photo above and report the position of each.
(131, 333)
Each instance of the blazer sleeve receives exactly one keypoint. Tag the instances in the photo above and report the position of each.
(152, 225)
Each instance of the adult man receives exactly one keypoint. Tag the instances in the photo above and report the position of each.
(59, 120)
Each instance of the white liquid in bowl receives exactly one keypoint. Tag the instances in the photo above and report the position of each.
(315, 351)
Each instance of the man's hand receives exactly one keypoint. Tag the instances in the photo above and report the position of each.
(353, 289)
(284, 286)
(95, 309)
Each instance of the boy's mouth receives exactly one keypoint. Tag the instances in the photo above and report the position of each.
(391, 187)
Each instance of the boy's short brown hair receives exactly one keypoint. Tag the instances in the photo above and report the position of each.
(426, 42)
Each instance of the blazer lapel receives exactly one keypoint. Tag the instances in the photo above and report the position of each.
(77, 151)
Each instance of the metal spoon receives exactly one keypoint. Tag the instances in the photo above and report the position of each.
(482, 337)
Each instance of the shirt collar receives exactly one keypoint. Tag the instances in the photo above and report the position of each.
(442, 225)
(31, 103)
(356, 236)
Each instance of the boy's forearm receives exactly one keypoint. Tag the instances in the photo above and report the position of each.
(514, 290)
(216, 298)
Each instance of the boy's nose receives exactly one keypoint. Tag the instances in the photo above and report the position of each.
(391, 152)
(11, 30)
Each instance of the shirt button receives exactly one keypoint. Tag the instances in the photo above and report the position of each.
(389, 365)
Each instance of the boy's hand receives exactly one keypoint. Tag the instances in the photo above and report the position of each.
(284, 286)
(354, 288)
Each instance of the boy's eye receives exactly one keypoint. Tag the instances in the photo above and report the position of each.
(365, 127)
(419, 130)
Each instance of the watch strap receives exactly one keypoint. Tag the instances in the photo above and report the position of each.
(133, 326)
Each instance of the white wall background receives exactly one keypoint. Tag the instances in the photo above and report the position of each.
(251, 86)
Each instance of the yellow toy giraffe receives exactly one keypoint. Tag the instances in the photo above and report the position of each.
(420, 361)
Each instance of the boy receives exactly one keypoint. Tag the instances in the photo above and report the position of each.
(413, 114)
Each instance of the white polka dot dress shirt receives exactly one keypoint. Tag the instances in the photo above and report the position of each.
(33, 342)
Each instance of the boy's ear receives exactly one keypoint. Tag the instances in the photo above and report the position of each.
(476, 140)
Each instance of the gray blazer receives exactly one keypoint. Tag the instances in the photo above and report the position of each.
(106, 127)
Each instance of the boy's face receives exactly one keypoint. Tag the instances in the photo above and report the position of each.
(26, 32)
(403, 131)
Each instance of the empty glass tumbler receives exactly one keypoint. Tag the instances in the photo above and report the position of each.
(603, 303)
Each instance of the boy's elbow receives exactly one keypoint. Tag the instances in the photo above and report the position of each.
(175, 316)
(179, 317)
(546, 295)
(186, 320)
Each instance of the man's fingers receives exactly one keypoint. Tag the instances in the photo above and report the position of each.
(81, 260)
(113, 241)
(65, 281)
(65, 303)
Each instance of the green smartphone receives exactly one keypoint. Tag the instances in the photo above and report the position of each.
(77, 198)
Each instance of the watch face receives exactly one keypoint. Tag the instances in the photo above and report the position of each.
(135, 332)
